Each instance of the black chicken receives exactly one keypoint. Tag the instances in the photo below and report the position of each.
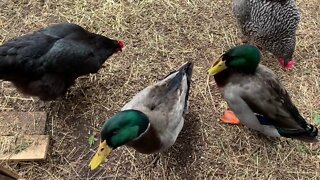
(47, 62)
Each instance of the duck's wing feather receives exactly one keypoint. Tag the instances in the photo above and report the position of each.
(273, 101)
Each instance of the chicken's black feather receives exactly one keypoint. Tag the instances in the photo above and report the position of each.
(47, 62)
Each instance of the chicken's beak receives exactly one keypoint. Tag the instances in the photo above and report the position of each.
(103, 152)
(217, 67)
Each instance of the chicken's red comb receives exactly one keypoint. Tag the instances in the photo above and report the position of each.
(121, 44)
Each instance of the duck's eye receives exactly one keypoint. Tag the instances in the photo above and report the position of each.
(101, 149)
(223, 57)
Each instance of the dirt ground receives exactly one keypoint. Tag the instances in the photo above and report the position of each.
(159, 36)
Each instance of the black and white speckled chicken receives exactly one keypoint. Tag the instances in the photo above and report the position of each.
(47, 62)
(271, 25)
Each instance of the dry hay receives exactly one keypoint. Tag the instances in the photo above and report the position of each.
(10, 145)
(159, 36)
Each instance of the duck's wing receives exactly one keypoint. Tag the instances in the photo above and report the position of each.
(265, 95)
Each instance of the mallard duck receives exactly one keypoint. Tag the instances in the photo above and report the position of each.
(271, 25)
(151, 121)
(256, 97)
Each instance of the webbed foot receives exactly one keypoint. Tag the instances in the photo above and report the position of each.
(229, 118)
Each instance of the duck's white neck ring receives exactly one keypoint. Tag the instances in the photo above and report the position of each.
(143, 133)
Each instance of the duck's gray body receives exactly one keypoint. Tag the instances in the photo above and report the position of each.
(262, 103)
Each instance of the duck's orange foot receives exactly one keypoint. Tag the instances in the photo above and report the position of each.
(230, 118)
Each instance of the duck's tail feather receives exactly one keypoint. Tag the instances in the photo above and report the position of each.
(187, 69)
(175, 82)
(303, 135)
(309, 131)
(307, 134)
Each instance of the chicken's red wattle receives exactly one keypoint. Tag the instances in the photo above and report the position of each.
(121, 44)
(290, 64)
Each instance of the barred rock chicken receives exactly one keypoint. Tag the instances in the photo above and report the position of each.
(47, 62)
(271, 25)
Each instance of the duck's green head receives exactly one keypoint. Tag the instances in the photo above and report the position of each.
(244, 58)
(120, 129)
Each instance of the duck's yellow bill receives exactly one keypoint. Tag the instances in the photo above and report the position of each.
(217, 67)
(103, 152)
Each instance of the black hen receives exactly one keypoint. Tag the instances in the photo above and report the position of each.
(47, 62)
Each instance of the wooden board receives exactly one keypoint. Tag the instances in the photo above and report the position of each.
(6, 174)
(36, 149)
(32, 123)
(4, 177)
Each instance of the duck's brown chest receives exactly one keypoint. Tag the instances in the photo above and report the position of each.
(222, 78)
(148, 143)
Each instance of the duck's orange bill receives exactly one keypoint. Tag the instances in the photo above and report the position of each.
(230, 118)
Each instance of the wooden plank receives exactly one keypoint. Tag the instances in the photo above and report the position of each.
(5, 177)
(32, 147)
(32, 123)
(7, 174)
